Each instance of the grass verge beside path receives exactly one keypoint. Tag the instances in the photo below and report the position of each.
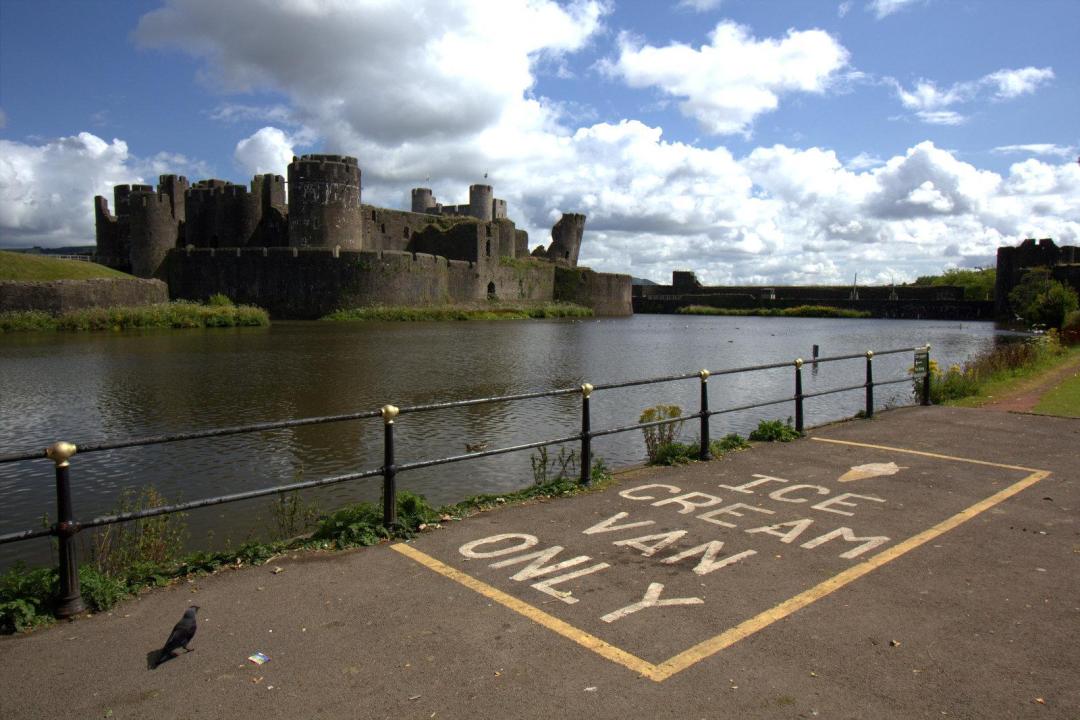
(491, 312)
(1064, 399)
(996, 386)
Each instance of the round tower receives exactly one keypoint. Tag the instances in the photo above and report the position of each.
(324, 202)
(422, 200)
(481, 198)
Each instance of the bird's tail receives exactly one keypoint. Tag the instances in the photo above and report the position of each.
(159, 657)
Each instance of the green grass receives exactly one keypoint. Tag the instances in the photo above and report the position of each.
(492, 312)
(1063, 400)
(178, 314)
(816, 311)
(24, 266)
(1003, 370)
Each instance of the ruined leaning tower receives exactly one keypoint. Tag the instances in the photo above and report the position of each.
(566, 239)
(324, 202)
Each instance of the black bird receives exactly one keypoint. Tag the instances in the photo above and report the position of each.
(180, 636)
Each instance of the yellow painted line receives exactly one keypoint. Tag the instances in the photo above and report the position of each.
(551, 622)
(744, 629)
(729, 637)
(937, 456)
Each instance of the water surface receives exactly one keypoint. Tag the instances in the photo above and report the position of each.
(93, 387)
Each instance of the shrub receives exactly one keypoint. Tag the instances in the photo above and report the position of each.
(362, 523)
(675, 453)
(1041, 300)
(219, 300)
(1070, 328)
(117, 549)
(26, 597)
(657, 436)
(774, 430)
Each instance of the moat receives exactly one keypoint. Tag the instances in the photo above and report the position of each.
(91, 387)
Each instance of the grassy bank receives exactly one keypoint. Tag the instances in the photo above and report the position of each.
(24, 266)
(1002, 370)
(490, 312)
(815, 311)
(178, 314)
(1063, 400)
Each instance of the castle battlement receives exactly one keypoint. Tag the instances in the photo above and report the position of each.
(316, 247)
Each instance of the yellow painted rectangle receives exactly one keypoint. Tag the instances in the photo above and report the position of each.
(729, 637)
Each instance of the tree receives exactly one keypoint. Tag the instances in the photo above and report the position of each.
(1040, 299)
(978, 284)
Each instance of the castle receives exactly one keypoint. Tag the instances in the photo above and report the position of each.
(318, 248)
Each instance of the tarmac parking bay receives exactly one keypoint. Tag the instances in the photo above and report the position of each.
(658, 576)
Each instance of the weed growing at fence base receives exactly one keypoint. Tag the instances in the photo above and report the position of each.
(489, 312)
(179, 314)
(658, 437)
(774, 431)
(816, 311)
(677, 453)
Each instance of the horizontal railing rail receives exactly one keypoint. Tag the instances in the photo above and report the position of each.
(66, 527)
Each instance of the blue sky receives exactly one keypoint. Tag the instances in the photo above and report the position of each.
(754, 141)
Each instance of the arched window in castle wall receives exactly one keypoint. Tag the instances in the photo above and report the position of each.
(491, 291)
(487, 248)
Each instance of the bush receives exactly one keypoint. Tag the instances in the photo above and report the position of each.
(26, 597)
(219, 300)
(728, 443)
(138, 545)
(774, 431)
(1041, 300)
(362, 523)
(1013, 359)
(659, 435)
(1070, 328)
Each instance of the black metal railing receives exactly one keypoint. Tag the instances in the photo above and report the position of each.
(66, 527)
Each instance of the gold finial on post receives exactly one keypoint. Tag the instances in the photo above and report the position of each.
(586, 390)
(869, 353)
(389, 412)
(798, 362)
(59, 452)
(704, 374)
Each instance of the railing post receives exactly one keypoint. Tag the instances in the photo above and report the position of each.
(704, 451)
(389, 412)
(586, 439)
(926, 379)
(798, 396)
(869, 383)
(70, 601)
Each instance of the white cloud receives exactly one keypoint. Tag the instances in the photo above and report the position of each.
(884, 8)
(931, 104)
(700, 5)
(1014, 83)
(734, 78)
(843, 8)
(268, 150)
(775, 215)
(1037, 149)
(429, 71)
(47, 191)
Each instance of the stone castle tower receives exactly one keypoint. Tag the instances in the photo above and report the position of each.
(324, 202)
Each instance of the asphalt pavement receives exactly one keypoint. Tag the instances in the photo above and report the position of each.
(921, 564)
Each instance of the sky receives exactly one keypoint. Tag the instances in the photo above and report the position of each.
(752, 141)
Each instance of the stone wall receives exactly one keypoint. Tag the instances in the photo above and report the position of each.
(605, 293)
(905, 308)
(56, 296)
(307, 283)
